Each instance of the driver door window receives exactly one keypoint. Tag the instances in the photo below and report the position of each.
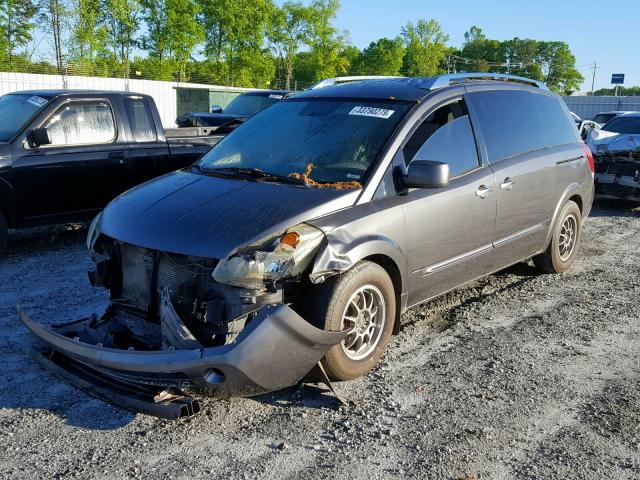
(82, 123)
(445, 136)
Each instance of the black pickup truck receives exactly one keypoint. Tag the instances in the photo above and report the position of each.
(65, 154)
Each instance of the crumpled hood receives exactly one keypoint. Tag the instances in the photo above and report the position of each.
(602, 141)
(210, 217)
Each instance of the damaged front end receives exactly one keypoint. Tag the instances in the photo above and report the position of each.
(223, 327)
(617, 175)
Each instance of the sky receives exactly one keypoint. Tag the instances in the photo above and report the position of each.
(605, 32)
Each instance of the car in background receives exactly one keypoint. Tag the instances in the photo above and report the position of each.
(239, 109)
(306, 233)
(65, 154)
(604, 117)
(616, 151)
(576, 118)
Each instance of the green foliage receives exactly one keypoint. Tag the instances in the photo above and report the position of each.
(17, 22)
(622, 91)
(425, 48)
(382, 57)
(251, 43)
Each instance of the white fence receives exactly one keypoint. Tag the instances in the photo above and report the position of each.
(164, 93)
(588, 107)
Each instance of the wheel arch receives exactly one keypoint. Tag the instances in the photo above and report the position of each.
(337, 257)
(573, 192)
(7, 202)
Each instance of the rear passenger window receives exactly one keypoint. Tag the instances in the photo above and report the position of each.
(515, 122)
(445, 136)
(140, 119)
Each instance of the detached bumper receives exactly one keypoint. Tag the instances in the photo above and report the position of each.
(276, 350)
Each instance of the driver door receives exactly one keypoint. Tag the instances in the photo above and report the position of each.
(449, 230)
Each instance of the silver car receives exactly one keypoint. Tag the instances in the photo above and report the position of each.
(303, 235)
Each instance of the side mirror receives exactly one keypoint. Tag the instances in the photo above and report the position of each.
(38, 137)
(426, 174)
(216, 109)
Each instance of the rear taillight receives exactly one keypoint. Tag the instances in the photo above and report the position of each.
(589, 155)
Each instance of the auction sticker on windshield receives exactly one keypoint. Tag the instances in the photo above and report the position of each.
(371, 112)
(37, 101)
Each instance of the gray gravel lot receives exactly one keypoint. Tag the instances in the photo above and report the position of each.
(516, 376)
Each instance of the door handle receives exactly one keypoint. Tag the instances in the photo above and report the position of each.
(483, 191)
(507, 184)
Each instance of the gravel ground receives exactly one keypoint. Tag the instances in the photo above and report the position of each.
(516, 376)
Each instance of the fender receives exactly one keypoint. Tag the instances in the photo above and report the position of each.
(572, 190)
(341, 251)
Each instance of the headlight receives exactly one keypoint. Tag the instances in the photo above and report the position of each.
(94, 231)
(274, 259)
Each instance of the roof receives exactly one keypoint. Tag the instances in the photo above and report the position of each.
(616, 112)
(264, 93)
(629, 115)
(410, 88)
(56, 92)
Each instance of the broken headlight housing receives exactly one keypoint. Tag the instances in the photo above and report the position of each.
(274, 259)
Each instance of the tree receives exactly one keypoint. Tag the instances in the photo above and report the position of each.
(487, 54)
(382, 57)
(287, 31)
(325, 42)
(425, 48)
(88, 36)
(16, 24)
(54, 14)
(235, 32)
(559, 67)
(121, 19)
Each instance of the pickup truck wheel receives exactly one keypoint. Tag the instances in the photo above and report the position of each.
(565, 241)
(4, 232)
(363, 301)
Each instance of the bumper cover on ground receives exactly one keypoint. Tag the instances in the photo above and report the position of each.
(276, 350)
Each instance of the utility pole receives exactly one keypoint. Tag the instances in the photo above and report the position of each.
(593, 78)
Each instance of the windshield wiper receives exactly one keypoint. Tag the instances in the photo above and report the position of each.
(257, 174)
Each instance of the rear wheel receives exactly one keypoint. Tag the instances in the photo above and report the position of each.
(4, 232)
(565, 240)
(363, 302)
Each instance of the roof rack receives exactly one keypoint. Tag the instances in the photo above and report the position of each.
(454, 78)
(329, 82)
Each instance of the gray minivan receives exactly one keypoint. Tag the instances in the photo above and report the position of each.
(303, 235)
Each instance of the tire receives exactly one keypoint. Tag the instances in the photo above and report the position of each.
(565, 241)
(4, 232)
(345, 296)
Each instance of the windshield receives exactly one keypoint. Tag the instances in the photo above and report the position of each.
(16, 110)
(249, 105)
(331, 140)
(629, 125)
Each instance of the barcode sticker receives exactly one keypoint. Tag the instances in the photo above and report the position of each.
(363, 111)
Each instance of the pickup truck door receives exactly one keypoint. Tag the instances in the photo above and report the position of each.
(149, 154)
(449, 230)
(81, 170)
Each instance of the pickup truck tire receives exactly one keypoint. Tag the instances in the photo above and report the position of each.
(565, 241)
(4, 232)
(363, 300)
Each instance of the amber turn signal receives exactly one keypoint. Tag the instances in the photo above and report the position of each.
(290, 238)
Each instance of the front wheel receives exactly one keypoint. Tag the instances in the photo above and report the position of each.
(565, 240)
(362, 301)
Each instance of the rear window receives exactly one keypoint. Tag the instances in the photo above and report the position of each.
(516, 122)
(140, 119)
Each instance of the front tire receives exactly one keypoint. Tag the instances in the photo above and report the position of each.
(362, 300)
(4, 232)
(565, 241)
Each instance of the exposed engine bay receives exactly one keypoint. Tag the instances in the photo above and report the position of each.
(617, 175)
(161, 301)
